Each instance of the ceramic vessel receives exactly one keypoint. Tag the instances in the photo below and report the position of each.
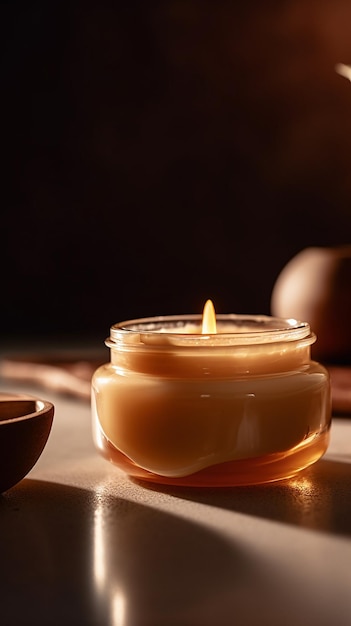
(315, 286)
(25, 425)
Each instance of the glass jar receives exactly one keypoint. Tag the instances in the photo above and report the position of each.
(246, 405)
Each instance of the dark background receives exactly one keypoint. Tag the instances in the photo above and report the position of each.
(156, 154)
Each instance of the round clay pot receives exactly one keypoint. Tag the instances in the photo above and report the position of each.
(315, 287)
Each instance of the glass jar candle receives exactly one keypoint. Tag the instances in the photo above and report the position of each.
(244, 405)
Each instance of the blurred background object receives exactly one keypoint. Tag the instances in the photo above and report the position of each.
(161, 153)
(315, 286)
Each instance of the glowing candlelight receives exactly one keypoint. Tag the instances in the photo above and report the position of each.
(209, 325)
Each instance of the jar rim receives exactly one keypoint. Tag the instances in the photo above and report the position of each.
(241, 330)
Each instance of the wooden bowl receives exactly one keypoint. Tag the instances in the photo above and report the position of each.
(25, 424)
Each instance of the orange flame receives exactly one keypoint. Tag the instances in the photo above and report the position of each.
(209, 325)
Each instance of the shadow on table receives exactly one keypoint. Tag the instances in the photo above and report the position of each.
(74, 556)
(317, 498)
(70, 556)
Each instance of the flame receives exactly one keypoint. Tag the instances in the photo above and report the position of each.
(209, 325)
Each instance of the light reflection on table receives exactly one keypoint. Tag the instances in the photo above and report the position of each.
(107, 589)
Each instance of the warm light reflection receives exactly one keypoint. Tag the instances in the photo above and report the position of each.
(209, 325)
(99, 547)
(343, 70)
(118, 609)
(111, 595)
(302, 486)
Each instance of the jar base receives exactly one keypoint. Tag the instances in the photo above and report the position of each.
(250, 471)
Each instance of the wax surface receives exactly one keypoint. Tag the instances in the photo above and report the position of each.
(175, 427)
(175, 402)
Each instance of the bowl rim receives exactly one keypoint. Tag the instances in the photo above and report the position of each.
(43, 407)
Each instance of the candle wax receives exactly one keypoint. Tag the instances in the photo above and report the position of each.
(176, 401)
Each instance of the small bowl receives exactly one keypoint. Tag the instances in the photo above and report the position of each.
(25, 424)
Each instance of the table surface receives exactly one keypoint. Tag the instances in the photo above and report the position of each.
(83, 544)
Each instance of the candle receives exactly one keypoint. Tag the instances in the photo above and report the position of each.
(212, 400)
